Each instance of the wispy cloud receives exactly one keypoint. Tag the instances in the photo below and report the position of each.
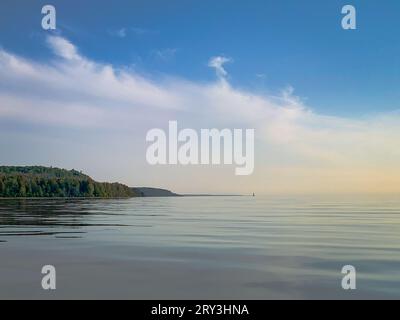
(72, 91)
(218, 64)
(165, 54)
(125, 31)
(120, 33)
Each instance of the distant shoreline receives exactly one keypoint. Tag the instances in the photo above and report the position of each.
(40, 182)
(214, 195)
(66, 198)
(121, 198)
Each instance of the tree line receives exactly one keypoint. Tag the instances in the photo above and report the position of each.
(53, 182)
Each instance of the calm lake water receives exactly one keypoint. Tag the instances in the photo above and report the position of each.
(201, 247)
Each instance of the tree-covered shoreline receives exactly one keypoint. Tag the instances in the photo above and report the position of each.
(45, 182)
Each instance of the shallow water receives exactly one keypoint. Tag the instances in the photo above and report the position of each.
(201, 247)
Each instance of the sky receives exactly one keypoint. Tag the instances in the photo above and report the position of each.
(324, 102)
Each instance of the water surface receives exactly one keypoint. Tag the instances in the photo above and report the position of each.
(201, 247)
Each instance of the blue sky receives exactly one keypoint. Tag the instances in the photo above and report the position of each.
(323, 101)
(273, 44)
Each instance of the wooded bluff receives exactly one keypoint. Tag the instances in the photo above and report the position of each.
(38, 181)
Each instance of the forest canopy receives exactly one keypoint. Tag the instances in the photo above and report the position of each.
(38, 181)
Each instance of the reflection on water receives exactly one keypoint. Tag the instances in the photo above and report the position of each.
(202, 247)
(30, 217)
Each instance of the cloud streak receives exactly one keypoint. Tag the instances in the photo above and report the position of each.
(124, 32)
(120, 33)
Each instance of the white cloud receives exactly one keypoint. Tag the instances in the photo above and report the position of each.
(63, 48)
(72, 91)
(218, 64)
